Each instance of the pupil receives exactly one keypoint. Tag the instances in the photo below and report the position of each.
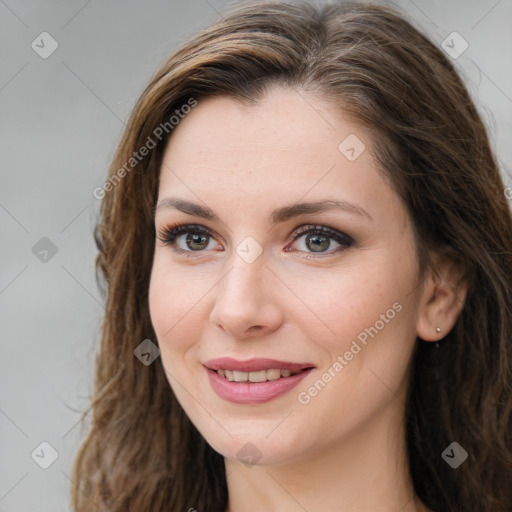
(319, 242)
(197, 239)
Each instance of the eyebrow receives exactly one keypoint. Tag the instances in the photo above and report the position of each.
(278, 215)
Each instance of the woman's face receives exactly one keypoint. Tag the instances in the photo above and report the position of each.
(255, 281)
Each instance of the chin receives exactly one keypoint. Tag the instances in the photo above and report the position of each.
(256, 448)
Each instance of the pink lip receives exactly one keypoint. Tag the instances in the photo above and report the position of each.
(254, 392)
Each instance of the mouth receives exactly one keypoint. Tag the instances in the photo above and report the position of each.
(256, 380)
(258, 376)
(255, 370)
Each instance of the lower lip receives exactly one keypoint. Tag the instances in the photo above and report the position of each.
(253, 392)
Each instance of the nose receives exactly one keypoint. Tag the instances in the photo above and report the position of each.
(245, 304)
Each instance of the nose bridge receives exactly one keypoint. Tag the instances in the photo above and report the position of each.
(242, 285)
(248, 268)
(243, 297)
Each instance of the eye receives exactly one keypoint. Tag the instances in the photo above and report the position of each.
(197, 239)
(317, 239)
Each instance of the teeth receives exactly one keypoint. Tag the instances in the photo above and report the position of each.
(273, 374)
(259, 376)
(240, 376)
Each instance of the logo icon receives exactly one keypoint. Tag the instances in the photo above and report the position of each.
(249, 250)
(249, 454)
(146, 352)
(454, 455)
(44, 250)
(352, 147)
(454, 45)
(44, 455)
(44, 45)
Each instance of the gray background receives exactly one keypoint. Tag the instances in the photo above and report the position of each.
(61, 119)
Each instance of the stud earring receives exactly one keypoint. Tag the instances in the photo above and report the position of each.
(438, 329)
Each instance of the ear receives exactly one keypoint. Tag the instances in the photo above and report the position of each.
(443, 297)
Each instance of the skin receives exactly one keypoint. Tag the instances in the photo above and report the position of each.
(345, 449)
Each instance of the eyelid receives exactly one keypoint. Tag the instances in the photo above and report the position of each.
(177, 229)
(326, 230)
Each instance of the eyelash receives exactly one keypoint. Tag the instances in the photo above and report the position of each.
(169, 234)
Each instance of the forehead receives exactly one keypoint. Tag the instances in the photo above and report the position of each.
(283, 123)
(281, 149)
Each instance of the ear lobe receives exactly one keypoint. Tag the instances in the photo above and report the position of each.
(443, 298)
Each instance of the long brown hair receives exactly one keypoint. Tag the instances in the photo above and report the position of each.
(142, 453)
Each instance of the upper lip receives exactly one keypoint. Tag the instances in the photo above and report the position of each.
(254, 365)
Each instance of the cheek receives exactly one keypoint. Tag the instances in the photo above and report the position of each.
(364, 363)
(175, 308)
(366, 295)
(173, 304)
(368, 328)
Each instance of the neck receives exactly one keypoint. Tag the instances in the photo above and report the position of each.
(367, 471)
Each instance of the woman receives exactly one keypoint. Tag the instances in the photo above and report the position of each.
(306, 248)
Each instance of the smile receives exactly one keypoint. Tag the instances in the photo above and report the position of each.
(254, 381)
(259, 376)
